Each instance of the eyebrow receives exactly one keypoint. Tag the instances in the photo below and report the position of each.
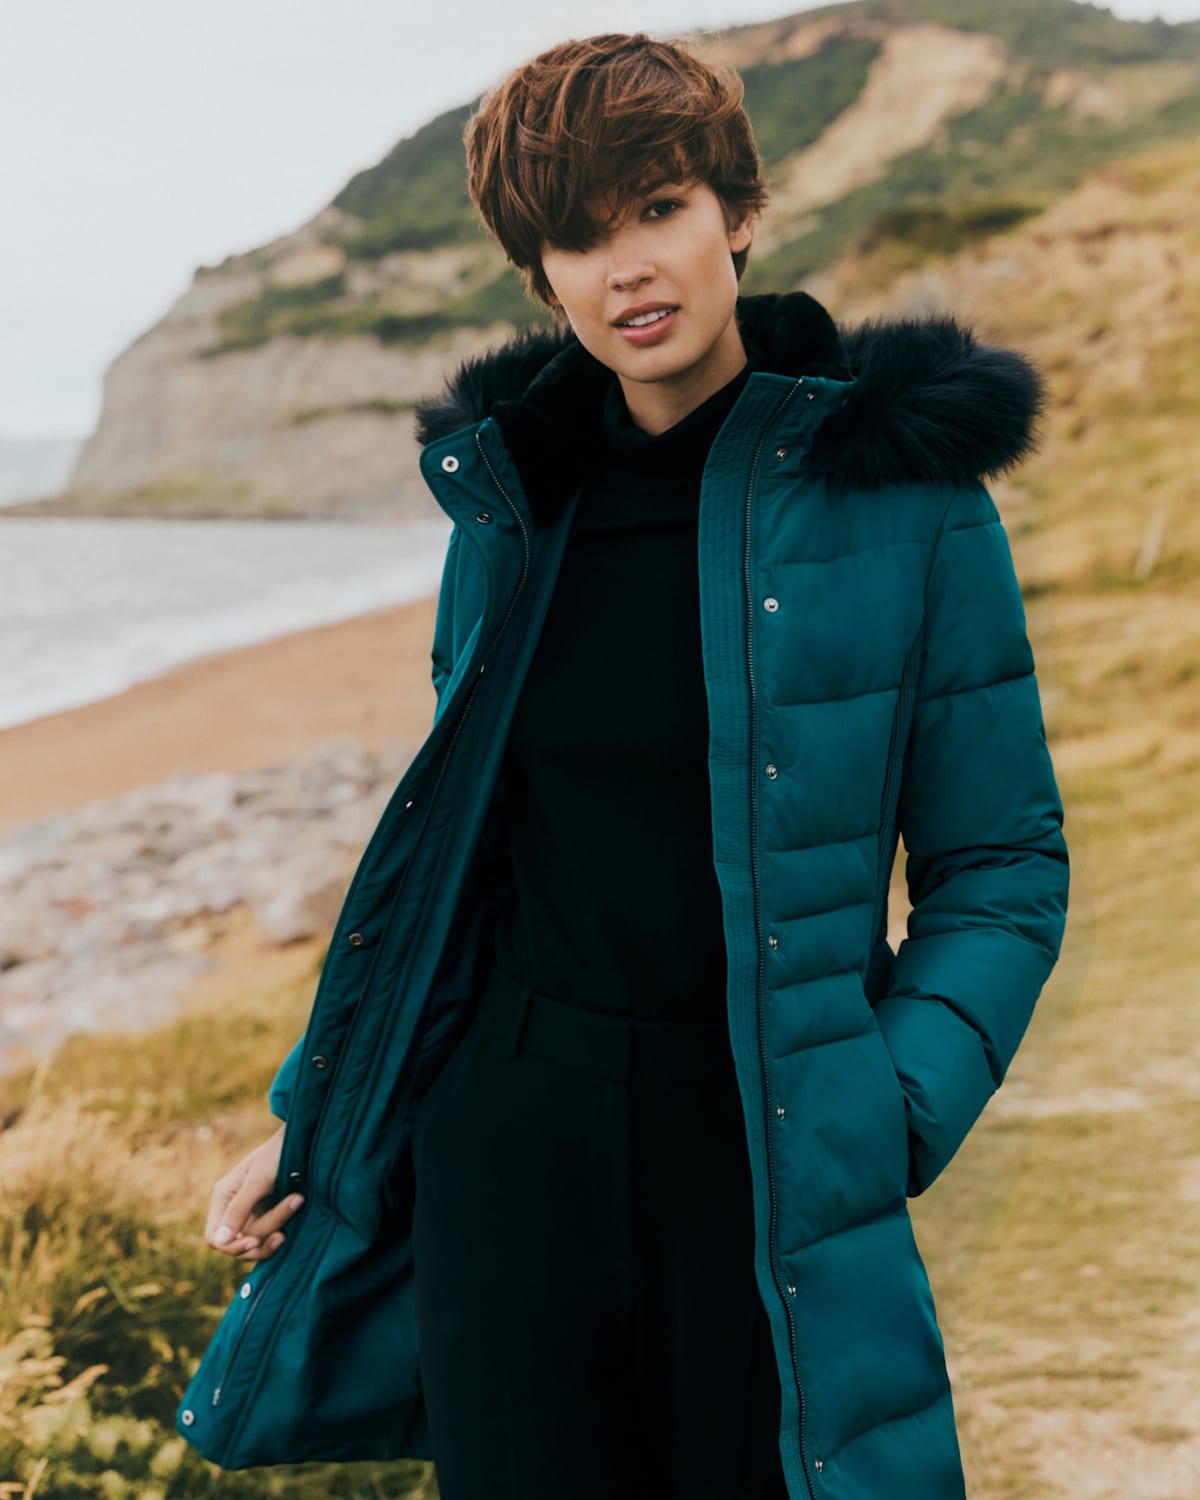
(662, 181)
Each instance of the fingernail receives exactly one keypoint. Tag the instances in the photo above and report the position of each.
(295, 1203)
(223, 1234)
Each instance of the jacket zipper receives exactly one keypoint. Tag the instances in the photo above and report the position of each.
(432, 797)
(238, 1336)
(762, 1046)
(429, 803)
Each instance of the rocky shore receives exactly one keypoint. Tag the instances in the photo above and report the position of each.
(105, 912)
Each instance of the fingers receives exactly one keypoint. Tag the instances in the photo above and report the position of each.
(275, 1217)
(243, 1218)
(262, 1251)
(224, 1190)
(260, 1233)
(263, 1235)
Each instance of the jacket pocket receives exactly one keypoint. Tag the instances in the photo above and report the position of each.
(892, 1102)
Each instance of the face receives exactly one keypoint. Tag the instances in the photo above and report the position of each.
(673, 248)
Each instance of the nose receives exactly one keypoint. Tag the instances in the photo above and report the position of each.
(631, 274)
(629, 260)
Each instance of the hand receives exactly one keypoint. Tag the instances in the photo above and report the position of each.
(243, 1203)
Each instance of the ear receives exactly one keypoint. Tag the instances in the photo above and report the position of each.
(741, 234)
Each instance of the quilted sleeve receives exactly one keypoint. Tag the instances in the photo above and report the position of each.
(987, 864)
(279, 1095)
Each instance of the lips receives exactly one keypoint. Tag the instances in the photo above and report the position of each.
(644, 335)
(654, 313)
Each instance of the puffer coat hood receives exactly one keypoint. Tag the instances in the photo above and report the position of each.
(868, 677)
(926, 400)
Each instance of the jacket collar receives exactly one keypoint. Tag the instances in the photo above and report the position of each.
(925, 400)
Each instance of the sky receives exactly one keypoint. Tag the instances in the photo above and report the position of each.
(141, 138)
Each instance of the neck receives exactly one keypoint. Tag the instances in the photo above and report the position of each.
(656, 405)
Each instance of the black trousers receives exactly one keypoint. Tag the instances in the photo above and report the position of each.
(588, 1317)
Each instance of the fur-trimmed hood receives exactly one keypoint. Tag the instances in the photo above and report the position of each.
(928, 401)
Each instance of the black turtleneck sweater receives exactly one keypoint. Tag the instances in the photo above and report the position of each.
(614, 904)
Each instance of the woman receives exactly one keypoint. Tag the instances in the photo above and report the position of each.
(614, 1091)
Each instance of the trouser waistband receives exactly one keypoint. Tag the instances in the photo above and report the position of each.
(605, 1046)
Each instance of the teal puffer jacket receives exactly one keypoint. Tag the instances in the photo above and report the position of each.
(868, 674)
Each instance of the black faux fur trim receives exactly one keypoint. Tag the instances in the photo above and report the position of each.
(928, 402)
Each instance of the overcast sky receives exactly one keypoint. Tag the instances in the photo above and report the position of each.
(139, 138)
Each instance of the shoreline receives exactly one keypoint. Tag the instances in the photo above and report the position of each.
(237, 710)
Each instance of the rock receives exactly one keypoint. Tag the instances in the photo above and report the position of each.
(300, 899)
(104, 912)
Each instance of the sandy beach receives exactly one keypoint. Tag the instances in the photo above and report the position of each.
(233, 711)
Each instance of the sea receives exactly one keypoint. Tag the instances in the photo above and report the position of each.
(90, 606)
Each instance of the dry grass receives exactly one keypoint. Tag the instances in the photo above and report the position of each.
(108, 1293)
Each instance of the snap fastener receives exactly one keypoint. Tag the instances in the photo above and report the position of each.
(356, 940)
(296, 1179)
(781, 452)
(773, 941)
(408, 804)
(810, 395)
(772, 770)
(320, 1062)
(484, 517)
(780, 1111)
(771, 605)
(188, 1417)
(818, 1464)
(450, 463)
(246, 1289)
(791, 1290)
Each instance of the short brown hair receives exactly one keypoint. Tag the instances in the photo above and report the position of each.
(597, 119)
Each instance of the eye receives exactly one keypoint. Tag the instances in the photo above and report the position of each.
(664, 203)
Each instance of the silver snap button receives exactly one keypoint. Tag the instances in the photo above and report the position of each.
(810, 395)
(818, 1464)
(791, 1290)
(356, 940)
(773, 941)
(780, 1111)
(450, 463)
(781, 453)
(771, 605)
(246, 1289)
(320, 1062)
(483, 518)
(188, 1417)
(772, 770)
(408, 804)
